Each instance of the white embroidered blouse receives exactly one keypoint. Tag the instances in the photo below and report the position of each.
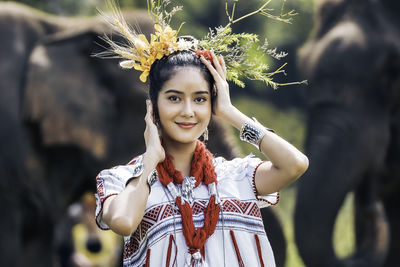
(159, 241)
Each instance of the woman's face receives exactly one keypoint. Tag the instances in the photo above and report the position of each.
(184, 106)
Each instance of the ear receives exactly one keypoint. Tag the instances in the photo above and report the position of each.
(65, 96)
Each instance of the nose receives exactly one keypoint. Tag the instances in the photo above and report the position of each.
(187, 109)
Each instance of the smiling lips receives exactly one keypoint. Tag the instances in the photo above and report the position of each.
(186, 125)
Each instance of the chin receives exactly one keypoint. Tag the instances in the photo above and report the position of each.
(185, 140)
(183, 137)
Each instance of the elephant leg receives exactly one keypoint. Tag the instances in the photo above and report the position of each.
(389, 191)
(38, 231)
(340, 147)
(20, 225)
(38, 228)
(10, 241)
(275, 235)
(11, 189)
(392, 211)
(40, 250)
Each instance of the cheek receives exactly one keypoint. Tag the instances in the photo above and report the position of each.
(206, 111)
(205, 115)
(161, 112)
(166, 111)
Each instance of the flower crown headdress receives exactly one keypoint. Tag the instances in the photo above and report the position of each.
(140, 53)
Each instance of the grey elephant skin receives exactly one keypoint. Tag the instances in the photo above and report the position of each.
(65, 115)
(352, 63)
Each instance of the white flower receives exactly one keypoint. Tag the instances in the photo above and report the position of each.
(195, 43)
(172, 49)
(186, 45)
(127, 64)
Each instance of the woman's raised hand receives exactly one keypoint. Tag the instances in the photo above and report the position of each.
(217, 68)
(151, 137)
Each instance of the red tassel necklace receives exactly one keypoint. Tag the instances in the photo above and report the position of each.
(203, 170)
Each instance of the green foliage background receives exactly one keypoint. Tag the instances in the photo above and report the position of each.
(281, 110)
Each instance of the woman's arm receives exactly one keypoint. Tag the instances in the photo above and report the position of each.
(286, 162)
(124, 212)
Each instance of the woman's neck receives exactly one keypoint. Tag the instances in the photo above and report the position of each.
(181, 154)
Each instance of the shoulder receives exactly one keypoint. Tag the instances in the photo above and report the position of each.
(122, 171)
(135, 159)
(247, 161)
(237, 167)
(113, 180)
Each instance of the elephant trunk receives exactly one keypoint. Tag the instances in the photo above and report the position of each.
(314, 233)
(331, 176)
(371, 226)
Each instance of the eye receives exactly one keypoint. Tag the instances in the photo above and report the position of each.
(173, 98)
(200, 99)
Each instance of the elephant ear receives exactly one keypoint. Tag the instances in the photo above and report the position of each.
(66, 97)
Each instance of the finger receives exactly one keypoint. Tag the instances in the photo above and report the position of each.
(223, 65)
(148, 107)
(217, 65)
(149, 110)
(210, 67)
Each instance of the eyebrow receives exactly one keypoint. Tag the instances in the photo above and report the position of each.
(181, 93)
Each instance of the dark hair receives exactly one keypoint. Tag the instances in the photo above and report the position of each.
(163, 69)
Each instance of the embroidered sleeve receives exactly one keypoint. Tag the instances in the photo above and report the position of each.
(242, 171)
(250, 164)
(111, 182)
(264, 201)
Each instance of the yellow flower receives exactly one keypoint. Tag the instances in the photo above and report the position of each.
(158, 28)
(145, 53)
(138, 67)
(143, 76)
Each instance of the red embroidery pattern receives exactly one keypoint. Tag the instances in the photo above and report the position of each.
(132, 247)
(198, 208)
(153, 214)
(164, 211)
(243, 205)
(254, 211)
(100, 188)
(253, 183)
(167, 212)
(229, 206)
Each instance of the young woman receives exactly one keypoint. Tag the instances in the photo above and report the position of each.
(176, 204)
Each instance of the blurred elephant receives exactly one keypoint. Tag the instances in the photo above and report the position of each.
(353, 141)
(65, 115)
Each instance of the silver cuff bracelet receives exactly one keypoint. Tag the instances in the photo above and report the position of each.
(152, 178)
(253, 133)
(135, 170)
